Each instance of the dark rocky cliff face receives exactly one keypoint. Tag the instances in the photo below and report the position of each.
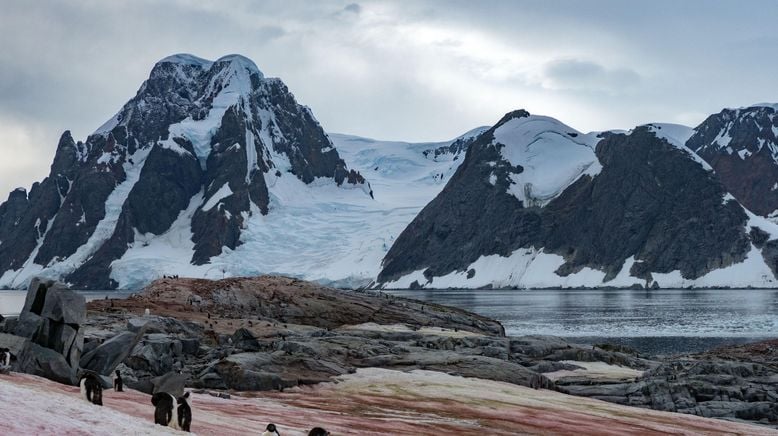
(650, 201)
(194, 130)
(741, 145)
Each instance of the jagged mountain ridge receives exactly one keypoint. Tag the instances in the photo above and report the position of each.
(537, 204)
(742, 146)
(172, 185)
(204, 139)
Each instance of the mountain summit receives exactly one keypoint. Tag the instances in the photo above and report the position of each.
(199, 151)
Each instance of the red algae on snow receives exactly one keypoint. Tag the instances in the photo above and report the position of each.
(371, 401)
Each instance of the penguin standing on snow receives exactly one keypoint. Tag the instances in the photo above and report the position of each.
(270, 430)
(118, 383)
(5, 360)
(5, 357)
(165, 410)
(91, 389)
(184, 413)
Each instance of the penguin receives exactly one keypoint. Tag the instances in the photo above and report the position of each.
(270, 430)
(146, 312)
(118, 383)
(165, 410)
(318, 431)
(184, 413)
(5, 357)
(91, 389)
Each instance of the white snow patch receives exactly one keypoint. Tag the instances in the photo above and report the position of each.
(218, 196)
(552, 154)
(187, 59)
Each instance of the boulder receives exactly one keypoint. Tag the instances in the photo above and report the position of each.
(172, 383)
(50, 322)
(243, 339)
(64, 306)
(107, 356)
(14, 343)
(45, 362)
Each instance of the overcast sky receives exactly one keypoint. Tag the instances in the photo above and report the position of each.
(416, 70)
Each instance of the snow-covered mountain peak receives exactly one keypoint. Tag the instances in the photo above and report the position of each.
(186, 59)
(240, 63)
(773, 106)
(546, 154)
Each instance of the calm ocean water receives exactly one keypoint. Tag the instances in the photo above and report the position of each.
(651, 321)
(11, 302)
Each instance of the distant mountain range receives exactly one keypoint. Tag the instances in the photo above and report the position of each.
(214, 170)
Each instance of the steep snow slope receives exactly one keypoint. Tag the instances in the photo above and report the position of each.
(315, 231)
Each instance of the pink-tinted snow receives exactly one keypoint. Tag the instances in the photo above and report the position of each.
(372, 401)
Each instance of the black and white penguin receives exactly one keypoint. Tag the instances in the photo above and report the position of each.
(5, 357)
(184, 413)
(91, 389)
(318, 431)
(165, 410)
(118, 383)
(270, 430)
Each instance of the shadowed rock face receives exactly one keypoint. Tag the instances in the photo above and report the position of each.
(48, 336)
(650, 201)
(137, 173)
(741, 145)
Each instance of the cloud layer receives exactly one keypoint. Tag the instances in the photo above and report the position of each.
(411, 70)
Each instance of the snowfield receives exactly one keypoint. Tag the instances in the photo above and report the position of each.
(369, 402)
(335, 235)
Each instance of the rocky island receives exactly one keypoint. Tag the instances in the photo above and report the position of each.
(296, 352)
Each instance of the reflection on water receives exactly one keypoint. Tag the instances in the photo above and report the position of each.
(653, 321)
(11, 302)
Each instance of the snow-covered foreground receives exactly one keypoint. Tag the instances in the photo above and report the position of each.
(371, 401)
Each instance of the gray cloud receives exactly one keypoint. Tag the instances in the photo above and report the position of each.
(412, 70)
(353, 7)
(576, 74)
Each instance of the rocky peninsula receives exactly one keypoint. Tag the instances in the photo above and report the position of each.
(281, 339)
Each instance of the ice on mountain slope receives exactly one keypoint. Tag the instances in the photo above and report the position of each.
(113, 207)
(231, 86)
(187, 59)
(316, 231)
(552, 155)
(534, 269)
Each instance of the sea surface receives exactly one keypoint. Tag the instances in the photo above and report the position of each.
(11, 302)
(659, 322)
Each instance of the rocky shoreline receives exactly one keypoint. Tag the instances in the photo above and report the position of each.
(275, 333)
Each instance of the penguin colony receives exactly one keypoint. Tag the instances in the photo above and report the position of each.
(169, 411)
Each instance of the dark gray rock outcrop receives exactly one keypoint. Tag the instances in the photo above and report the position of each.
(48, 335)
(741, 145)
